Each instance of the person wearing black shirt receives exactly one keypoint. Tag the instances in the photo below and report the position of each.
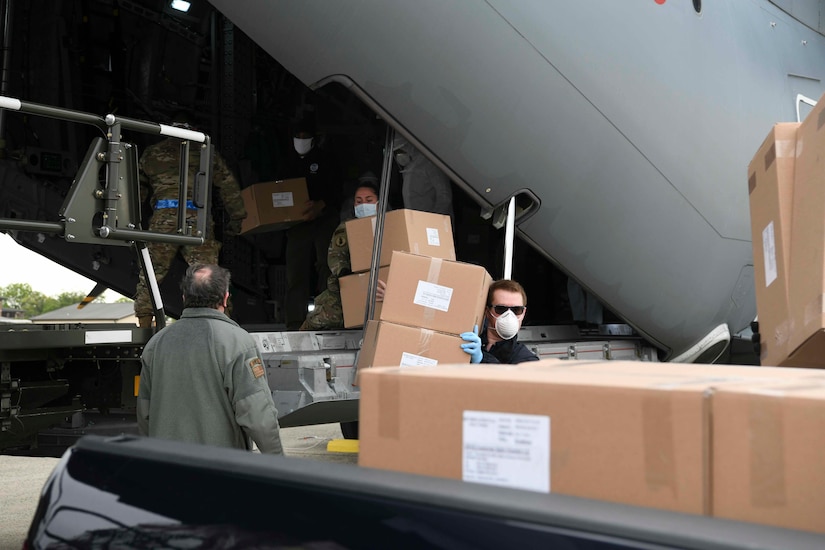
(308, 241)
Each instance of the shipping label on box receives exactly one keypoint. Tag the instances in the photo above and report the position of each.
(274, 205)
(507, 450)
(441, 295)
(405, 230)
(282, 199)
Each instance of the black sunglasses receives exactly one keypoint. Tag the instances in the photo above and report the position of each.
(518, 310)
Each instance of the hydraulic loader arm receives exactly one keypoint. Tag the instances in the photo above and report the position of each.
(106, 210)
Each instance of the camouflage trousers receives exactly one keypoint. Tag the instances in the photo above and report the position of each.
(328, 313)
(163, 254)
(307, 270)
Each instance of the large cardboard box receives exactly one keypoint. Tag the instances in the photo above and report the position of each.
(770, 186)
(768, 451)
(422, 233)
(437, 294)
(390, 345)
(598, 435)
(807, 267)
(274, 205)
(639, 433)
(354, 297)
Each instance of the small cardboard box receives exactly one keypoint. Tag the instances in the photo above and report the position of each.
(390, 345)
(768, 449)
(614, 437)
(770, 186)
(354, 297)
(437, 294)
(274, 205)
(807, 267)
(422, 233)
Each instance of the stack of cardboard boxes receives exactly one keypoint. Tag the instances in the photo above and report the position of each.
(786, 181)
(734, 442)
(430, 297)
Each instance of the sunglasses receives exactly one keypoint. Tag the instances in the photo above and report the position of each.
(518, 310)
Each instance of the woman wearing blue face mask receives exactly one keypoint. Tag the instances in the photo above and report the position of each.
(328, 313)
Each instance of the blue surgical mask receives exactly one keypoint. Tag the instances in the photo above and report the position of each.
(365, 210)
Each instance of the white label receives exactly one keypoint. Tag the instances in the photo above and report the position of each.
(434, 296)
(769, 252)
(508, 450)
(432, 237)
(413, 360)
(108, 336)
(282, 200)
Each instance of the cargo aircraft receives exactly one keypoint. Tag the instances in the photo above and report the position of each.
(622, 129)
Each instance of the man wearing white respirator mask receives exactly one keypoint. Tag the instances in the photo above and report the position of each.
(498, 342)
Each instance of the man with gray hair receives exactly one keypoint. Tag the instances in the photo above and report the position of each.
(202, 379)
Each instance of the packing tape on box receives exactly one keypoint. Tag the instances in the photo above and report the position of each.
(785, 148)
(782, 332)
(432, 277)
(434, 270)
(389, 407)
(767, 450)
(425, 340)
(814, 310)
(770, 156)
(781, 148)
(658, 441)
(707, 448)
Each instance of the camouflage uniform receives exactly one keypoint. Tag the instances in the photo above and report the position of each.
(328, 313)
(159, 175)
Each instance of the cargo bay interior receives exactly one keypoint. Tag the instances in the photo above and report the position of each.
(144, 60)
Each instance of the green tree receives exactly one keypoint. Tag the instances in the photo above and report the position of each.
(15, 294)
(33, 303)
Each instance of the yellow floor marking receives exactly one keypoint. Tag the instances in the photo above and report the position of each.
(342, 446)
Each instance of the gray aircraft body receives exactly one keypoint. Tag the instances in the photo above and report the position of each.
(630, 125)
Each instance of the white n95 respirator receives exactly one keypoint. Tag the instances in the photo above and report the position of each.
(507, 325)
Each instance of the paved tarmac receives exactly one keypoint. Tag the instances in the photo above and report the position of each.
(22, 477)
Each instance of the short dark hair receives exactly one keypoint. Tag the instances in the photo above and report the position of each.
(368, 185)
(205, 285)
(505, 284)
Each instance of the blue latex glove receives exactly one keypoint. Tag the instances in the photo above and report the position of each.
(473, 345)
